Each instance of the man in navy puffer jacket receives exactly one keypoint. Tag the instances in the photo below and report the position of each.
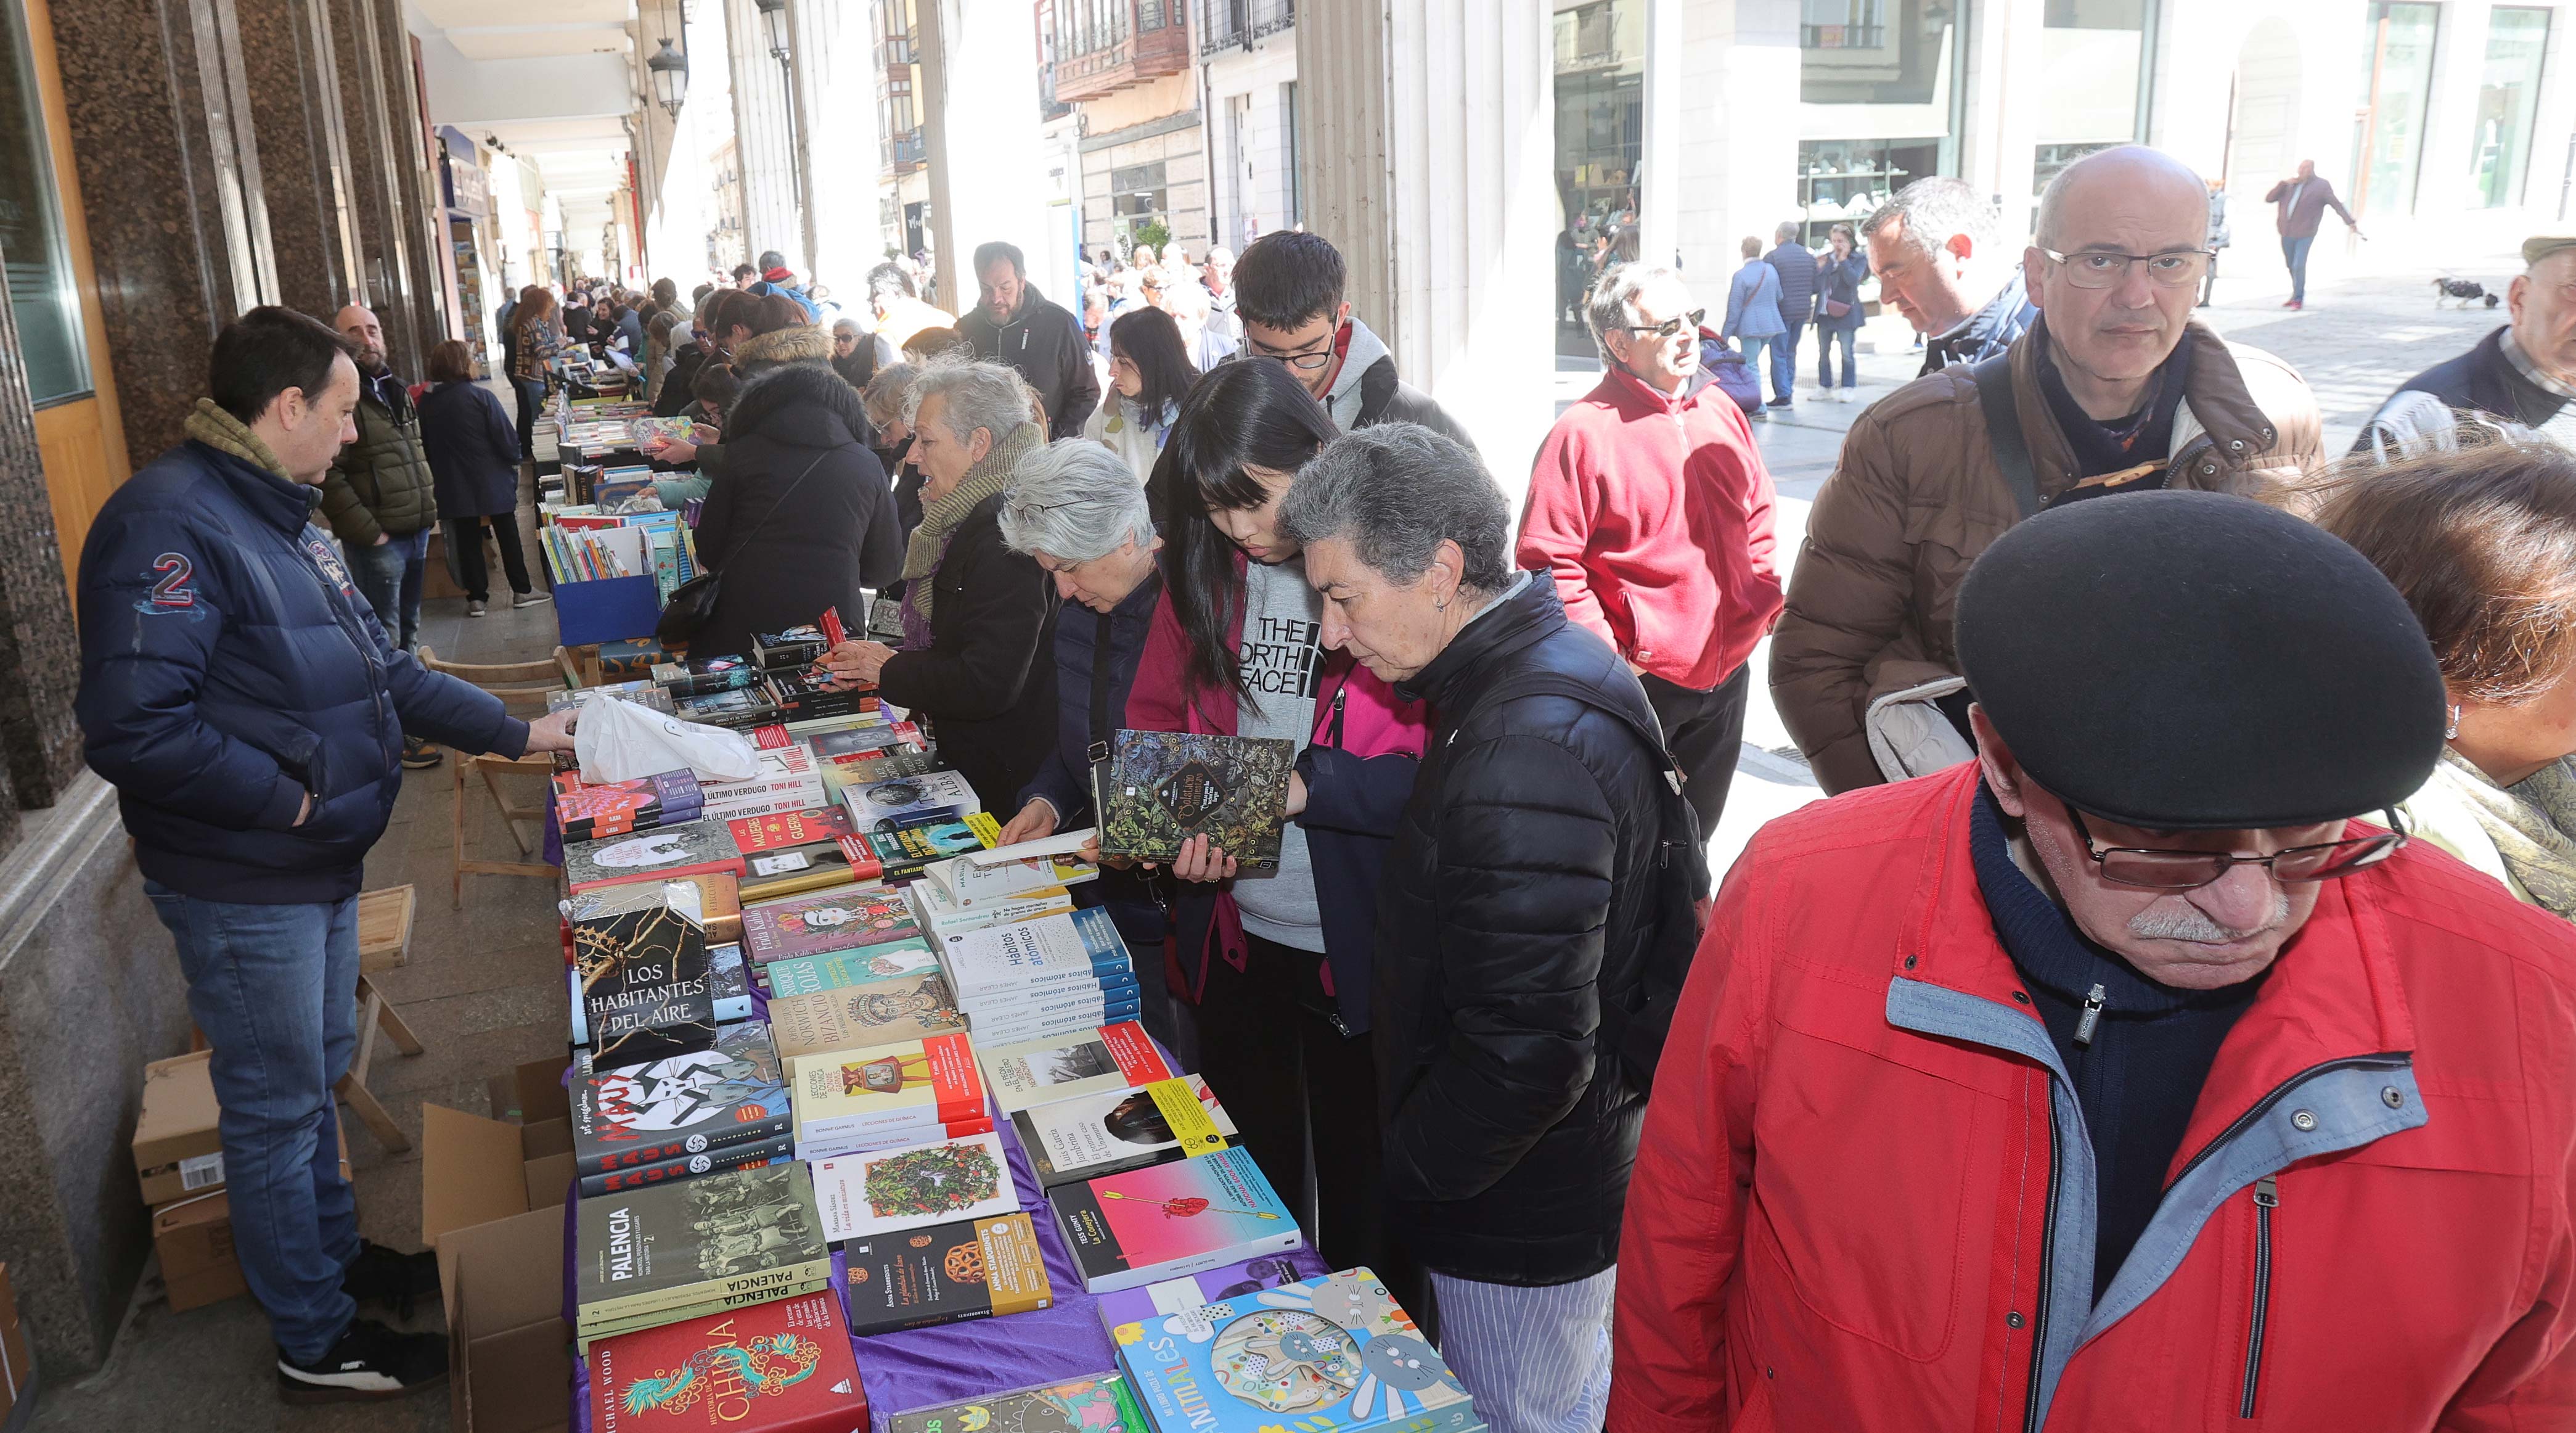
(238, 691)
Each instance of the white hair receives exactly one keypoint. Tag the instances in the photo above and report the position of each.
(989, 396)
(1613, 304)
(1076, 501)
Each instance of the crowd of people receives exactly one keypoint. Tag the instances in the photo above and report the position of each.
(2122, 1045)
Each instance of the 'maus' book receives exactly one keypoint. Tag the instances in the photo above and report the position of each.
(688, 1104)
(785, 1366)
(1161, 788)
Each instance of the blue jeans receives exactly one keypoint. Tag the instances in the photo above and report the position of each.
(2295, 253)
(389, 574)
(1850, 336)
(1784, 364)
(275, 989)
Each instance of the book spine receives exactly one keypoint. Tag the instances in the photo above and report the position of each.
(656, 1151)
(746, 1288)
(718, 1159)
(591, 1333)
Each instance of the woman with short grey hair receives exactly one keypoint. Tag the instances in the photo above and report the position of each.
(883, 400)
(1517, 912)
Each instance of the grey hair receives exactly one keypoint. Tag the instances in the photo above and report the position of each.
(887, 393)
(849, 326)
(1613, 301)
(1787, 230)
(1396, 492)
(1934, 210)
(1075, 501)
(989, 396)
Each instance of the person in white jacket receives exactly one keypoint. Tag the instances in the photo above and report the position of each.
(1149, 373)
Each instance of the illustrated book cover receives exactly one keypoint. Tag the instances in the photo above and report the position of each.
(705, 676)
(756, 835)
(1090, 1405)
(946, 1274)
(842, 969)
(1334, 1354)
(1091, 1135)
(862, 1017)
(1160, 788)
(922, 1084)
(694, 848)
(589, 810)
(911, 1185)
(847, 918)
(878, 805)
(745, 1232)
(645, 989)
(716, 897)
(1194, 1291)
(1172, 1219)
(784, 1366)
(735, 1093)
(1035, 1072)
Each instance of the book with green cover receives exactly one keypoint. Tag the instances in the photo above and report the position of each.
(680, 1247)
(1161, 788)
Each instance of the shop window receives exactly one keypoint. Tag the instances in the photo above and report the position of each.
(42, 295)
(1139, 196)
(1878, 52)
(2397, 81)
(1879, 88)
(1600, 63)
(2094, 57)
(2508, 101)
(1844, 181)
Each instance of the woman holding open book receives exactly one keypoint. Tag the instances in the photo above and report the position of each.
(1278, 962)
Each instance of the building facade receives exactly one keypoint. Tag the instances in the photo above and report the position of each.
(1248, 78)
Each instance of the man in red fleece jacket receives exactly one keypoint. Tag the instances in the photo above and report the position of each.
(1650, 506)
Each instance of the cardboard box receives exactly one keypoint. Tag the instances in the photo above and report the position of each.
(177, 1151)
(491, 1205)
(194, 1237)
(475, 1170)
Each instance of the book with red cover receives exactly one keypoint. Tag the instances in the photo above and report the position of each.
(588, 810)
(784, 1366)
(754, 834)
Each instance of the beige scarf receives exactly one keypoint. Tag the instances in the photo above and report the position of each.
(2532, 822)
(224, 433)
(939, 518)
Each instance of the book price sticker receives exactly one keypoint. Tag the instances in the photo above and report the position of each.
(205, 1171)
(1191, 1128)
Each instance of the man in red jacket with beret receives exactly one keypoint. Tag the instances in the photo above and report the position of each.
(1651, 508)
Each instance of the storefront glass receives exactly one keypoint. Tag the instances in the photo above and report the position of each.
(2397, 82)
(2508, 102)
(1600, 64)
(42, 295)
(1879, 84)
(2094, 57)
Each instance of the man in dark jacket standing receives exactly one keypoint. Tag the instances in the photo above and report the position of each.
(1288, 299)
(1016, 325)
(380, 496)
(1797, 266)
(2304, 199)
(250, 710)
(1515, 921)
(2523, 373)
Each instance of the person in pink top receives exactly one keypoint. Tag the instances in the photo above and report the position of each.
(1651, 507)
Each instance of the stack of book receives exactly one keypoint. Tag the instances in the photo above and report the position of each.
(784, 781)
(886, 1096)
(792, 650)
(1055, 975)
(784, 1366)
(1111, 1131)
(802, 695)
(672, 1252)
(590, 810)
(705, 676)
(1037, 1072)
(881, 804)
(727, 981)
(736, 708)
(692, 848)
(689, 1115)
(909, 1007)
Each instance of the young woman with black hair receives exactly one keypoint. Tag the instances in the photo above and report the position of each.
(1150, 373)
(1278, 962)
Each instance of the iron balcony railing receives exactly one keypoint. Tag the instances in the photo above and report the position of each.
(1225, 24)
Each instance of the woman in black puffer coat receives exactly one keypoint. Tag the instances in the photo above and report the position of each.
(802, 517)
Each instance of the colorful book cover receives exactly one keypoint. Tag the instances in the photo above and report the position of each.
(705, 676)
(644, 985)
(803, 870)
(821, 924)
(735, 1093)
(1172, 1219)
(1088, 1136)
(964, 1269)
(862, 1017)
(1333, 1354)
(800, 695)
(913, 1185)
(1161, 788)
(885, 765)
(877, 805)
(843, 969)
(1045, 954)
(740, 1232)
(659, 855)
(1114, 1057)
(872, 739)
(898, 1084)
(1091, 1405)
(726, 980)
(1195, 1291)
(782, 771)
(688, 1166)
(754, 835)
(916, 841)
(779, 1367)
(937, 912)
(587, 810)
(718, 901)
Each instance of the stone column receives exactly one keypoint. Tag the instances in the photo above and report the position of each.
(37, 734)
(979, 68)
(304, 150)
(763, 147)
(384, 278)
(422, 219)
(1735, 66)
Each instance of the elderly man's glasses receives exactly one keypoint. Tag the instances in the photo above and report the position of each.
(1671, 327)
(2164, 869)
(2091, 270)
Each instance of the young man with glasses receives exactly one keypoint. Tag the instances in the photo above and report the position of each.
(1651, 507)
(2114, 390)
(2134, 1076)
(1288, 300)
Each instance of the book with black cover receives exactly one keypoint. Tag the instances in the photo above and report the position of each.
(689, 1166)
(945, 1274)
(702, 676)
(678, 1248)
(1160, 788)
(644, 986)
(788, 650)
(741, 709)
(732, 1094)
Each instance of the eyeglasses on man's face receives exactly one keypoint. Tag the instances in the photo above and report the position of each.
(2165, 869)
(1306, 358)
(1671, 327)
(2098, 269)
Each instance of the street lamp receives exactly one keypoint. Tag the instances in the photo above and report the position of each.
(670, 70)
(773, 15)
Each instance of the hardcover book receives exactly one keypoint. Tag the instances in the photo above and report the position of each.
(822, 924)
(755, 835)
(1172, 1219)
(949, 1273)
(716, 900)
(644, 986)
(912, 1185)
(1160, 788)
(694, 848)
(689, 1166)
(1047, 954)
(1114, 1057)
(861, 1017)
(1196, 1291)
(705, 676)
(725, 978)
(676, 1247)
(1333, 1354)
(740, 709)
(735, 1093)
(1091, 1135)
(877, 805)
(918, 1084)
(843, 969)
(788, 650)
(944, 916)
(1090, 1405)
(779, 1367)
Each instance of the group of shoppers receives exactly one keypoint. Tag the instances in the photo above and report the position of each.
(1776, 296)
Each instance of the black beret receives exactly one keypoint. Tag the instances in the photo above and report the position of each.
(2193, 661)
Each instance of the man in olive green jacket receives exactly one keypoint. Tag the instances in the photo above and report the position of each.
(379, 500)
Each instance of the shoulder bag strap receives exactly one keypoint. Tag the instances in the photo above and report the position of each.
(2003, 430)
(760, 526)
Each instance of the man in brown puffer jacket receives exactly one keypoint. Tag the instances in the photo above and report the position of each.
(2114, 390)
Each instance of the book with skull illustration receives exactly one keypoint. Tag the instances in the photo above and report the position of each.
(645, 988)
(674, 1251)
(946, 1274)
(693, 848)
(1161, 788)
(733, 1094)
(1334, 1354)
(906, 1090)
(912, 1185)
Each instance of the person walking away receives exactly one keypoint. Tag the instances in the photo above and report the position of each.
(1939, 257)
(2094, 1084)
(777, 278)
(1288, 294)
(239, 693)
(1077, 512)
(1016, 325)
(1795, 263)
(2115, 390)
(535, 341)
(379, 497)
(978, 619)
(2220, 236)
(2302, 201)
(1651, 511)
(1149, 375)
(1839, 271)
(2521, 374)
(1517, 920)
(1753, 317)
(474, 474)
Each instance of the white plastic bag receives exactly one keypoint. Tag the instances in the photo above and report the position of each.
(619, 741)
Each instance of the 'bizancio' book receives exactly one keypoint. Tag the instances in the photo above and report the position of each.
(779, 1367)
(644, 986)
(688, 1104)
(949, 1273)
(842, 919)
(688, 850)
(1160, 788)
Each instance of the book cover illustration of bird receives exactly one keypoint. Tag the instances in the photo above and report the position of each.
(1161, 788)
(1334, 1354)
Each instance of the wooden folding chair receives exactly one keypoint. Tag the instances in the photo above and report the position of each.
(384, 942)
(522, 688)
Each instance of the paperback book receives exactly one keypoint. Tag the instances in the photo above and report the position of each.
(1334, 1354)
(1091, 1135)
(1035, 1072)
(844, 969)
(705, 676)
(862, 1017)
(1063, 952)
(780, 1367)
(1032, 1019)
(803, 696)
(740, 708)
(788, 830)
(801, 870)
(878, 805)
(872, 739)
(694, 848)
(924, 1085)
(943, 916)
(783, 779)
(688, 1166)
(642, 693)
(715, 899)
(912, 1185)
(916, 841)
(680, 1249)
(645, 989)
(838, 920)
(732, 1094)
(790, 650)
(588, 810)
(1172, 1219)
(971, 881)
(1161, 788)
(946, 1274)
(1090, 1405)
(1195, 1291)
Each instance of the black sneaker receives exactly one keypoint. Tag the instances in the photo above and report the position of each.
(418, 754)
(370, 1362)
(393, 1279)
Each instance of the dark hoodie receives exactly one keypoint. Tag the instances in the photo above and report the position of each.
(1045, 343)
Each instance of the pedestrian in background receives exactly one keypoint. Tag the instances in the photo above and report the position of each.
(1839, 271)
(2220, 236)
(1149, 374)
(2522, 373)
(1018, 326)
(379, 497)
(536, 338)
(1289, 296)
(474, 467)
(1753, 315)
(2302, 201)
(1795, 263)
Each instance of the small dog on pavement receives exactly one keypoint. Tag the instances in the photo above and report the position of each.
(2466, 291)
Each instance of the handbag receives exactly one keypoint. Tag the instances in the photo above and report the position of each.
(694, 601)
(1836, 308)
